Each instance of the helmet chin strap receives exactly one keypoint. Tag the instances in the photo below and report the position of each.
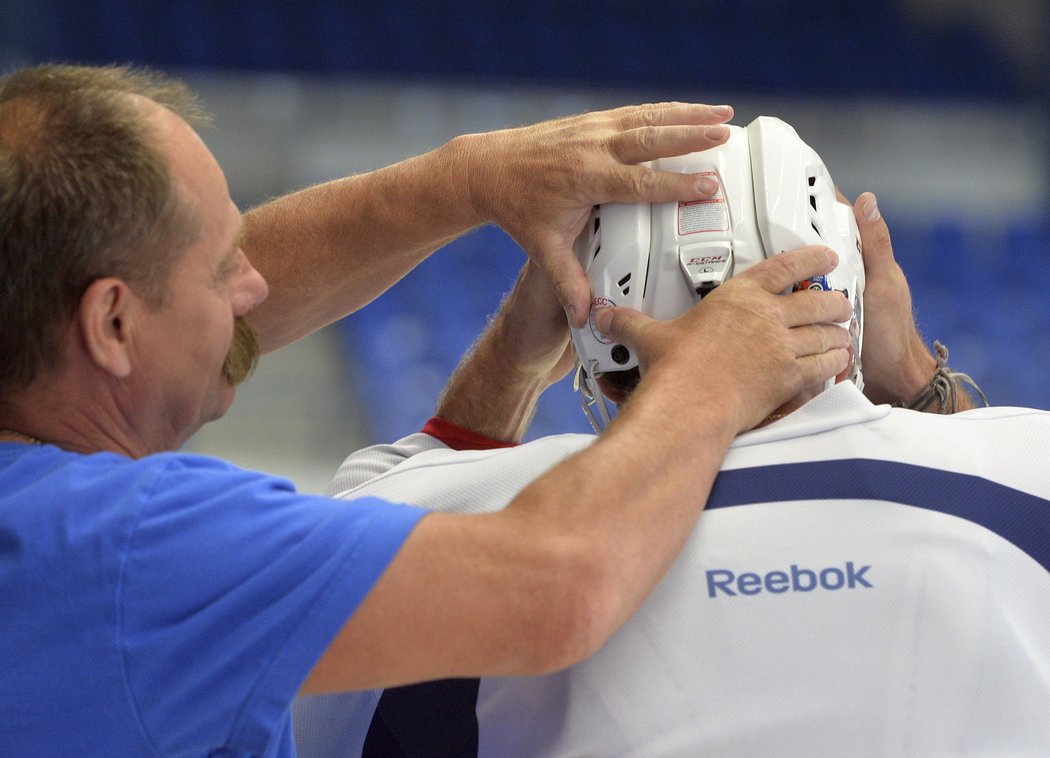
(591, 397)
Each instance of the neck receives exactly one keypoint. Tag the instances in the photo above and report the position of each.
(783, 411)
(791, 406)
(50, 418)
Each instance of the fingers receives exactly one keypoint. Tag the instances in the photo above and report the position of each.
(815, 339)
(664, 114)
(650, 142)
(622, 325)
(781, 271)
(648, 132)
(570, 283)
(815, 307)
(819, 367)
(874, 235)
(632, 184)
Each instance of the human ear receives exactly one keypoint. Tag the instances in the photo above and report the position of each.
(105, 315)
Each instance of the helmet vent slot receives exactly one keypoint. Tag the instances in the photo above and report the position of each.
(593, 245)
(625, 283)
(814, 216)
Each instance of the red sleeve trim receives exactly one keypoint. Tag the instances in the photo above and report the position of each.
(458, 438)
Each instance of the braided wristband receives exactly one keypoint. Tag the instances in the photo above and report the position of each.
(942, 386)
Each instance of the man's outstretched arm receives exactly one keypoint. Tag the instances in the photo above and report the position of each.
(330, 249)
(544, 582)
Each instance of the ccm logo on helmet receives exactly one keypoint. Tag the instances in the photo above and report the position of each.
(795, 579)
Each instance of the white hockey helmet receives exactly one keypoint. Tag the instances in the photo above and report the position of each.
(775, 194)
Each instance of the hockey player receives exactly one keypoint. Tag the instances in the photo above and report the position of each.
(867, 580)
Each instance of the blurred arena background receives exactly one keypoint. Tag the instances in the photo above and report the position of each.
(939, 106)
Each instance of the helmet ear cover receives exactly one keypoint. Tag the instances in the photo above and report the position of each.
(775, 194)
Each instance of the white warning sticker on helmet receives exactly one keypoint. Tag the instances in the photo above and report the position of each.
(708, 215)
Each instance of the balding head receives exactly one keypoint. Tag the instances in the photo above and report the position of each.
(84, 194)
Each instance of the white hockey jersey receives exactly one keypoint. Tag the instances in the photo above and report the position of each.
(865, 581)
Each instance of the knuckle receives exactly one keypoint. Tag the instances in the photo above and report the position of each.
(640, 183)
(771, 308)
(647, 138)
(649, 113)
(783, 265)
(631, 116)
(834, 337)
(843, 309)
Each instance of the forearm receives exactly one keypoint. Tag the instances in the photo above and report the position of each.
(545, 581)
(540, 584)
(522, 351)
(627, 504)
(487, 396)
(947, 390)
(330, 249)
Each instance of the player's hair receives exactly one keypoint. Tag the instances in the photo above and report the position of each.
(623, 383)
(84, 194)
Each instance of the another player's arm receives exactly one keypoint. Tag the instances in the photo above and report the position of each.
(522, 351)
(898, 364)
(544, 582)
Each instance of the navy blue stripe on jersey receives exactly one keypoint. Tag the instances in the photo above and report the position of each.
(426, 720)
(1016, 516)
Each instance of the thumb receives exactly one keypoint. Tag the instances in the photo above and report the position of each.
(570, 282)
(874, 235)
(622, 325)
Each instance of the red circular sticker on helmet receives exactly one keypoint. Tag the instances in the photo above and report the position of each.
(597, 304)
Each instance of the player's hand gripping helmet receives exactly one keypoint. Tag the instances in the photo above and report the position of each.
(775, 194)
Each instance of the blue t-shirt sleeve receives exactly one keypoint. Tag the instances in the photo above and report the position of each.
(232, 587)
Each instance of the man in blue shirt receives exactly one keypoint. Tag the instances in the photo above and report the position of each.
(161, 603)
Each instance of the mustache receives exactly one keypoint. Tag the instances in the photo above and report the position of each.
(243, 356)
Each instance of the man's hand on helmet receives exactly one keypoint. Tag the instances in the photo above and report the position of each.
(540, 182)
(746, 345)
(897, 363)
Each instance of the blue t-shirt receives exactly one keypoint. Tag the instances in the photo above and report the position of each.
(170, 605)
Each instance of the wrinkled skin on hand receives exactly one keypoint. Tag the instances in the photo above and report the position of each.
(540, 182)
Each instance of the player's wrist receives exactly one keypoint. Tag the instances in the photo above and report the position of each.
(487, 398)
(945, 391)
(910, 378)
